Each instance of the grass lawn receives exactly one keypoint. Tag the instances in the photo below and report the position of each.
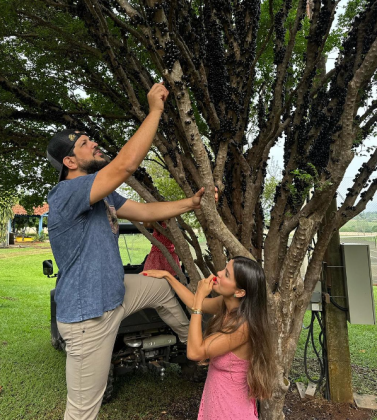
(356, 225)
(32, 372)
(133, 248)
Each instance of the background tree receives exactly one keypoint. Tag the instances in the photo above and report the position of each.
(7, 201)
(233, 68)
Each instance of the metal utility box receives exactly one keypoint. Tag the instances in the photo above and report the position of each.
(358, 283)
(315, 303)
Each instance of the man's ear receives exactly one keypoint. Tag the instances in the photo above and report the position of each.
(70, 162)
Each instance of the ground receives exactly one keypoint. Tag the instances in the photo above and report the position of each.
(295, 409)
(321, 409)
(316, 409)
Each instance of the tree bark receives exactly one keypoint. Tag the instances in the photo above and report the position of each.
(272, 409)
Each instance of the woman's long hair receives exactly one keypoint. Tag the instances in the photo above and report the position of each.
(249, 276)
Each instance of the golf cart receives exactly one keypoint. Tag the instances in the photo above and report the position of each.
(144, 342)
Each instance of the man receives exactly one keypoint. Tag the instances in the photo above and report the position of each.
(93, 295)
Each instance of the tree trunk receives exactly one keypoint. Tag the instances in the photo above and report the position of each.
(272, 409)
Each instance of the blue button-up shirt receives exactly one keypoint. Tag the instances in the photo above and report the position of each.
(84, 241)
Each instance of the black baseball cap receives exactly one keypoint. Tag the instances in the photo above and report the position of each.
(60, 146)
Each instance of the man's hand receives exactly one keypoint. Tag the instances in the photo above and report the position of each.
(197, 198)
(157, 97)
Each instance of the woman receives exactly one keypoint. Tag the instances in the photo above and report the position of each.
(237, 339)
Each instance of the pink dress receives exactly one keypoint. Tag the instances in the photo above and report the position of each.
(225, 394)
(155, 259)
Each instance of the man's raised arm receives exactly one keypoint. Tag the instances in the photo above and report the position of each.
(153, 212)
(134, 151)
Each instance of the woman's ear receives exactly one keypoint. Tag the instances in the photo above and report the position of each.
(240, 293)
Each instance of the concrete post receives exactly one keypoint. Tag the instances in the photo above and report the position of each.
(339, 361)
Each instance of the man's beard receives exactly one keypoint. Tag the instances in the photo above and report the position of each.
(92, 166)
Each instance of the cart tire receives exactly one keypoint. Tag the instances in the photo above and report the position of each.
(58, 343)
(193, 372)
(110, 386)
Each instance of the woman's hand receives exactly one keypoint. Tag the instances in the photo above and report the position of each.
(205, 286)
(159, 274)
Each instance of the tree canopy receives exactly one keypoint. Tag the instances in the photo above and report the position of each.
(241, 76)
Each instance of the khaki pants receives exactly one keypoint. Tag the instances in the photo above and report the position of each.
(89, 344)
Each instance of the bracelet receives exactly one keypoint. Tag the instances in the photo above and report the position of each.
(197, 311)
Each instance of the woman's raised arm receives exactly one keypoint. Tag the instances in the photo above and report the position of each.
(209, 305)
